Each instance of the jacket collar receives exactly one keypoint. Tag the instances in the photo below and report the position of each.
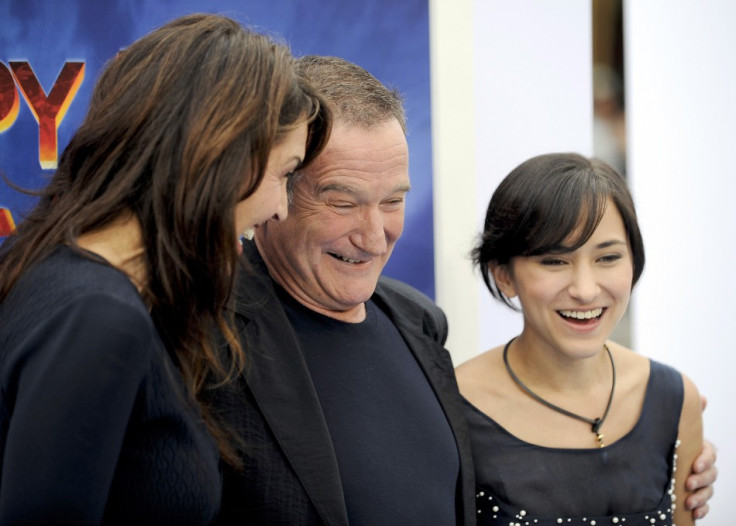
(291, 406)
(279, 379)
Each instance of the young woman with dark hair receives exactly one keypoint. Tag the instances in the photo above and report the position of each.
(568, 427)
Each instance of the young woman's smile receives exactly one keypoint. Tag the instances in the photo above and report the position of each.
(572, 301)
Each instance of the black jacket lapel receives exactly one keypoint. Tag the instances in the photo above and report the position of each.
(279, 380)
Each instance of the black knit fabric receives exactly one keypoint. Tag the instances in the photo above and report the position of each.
(94, 426)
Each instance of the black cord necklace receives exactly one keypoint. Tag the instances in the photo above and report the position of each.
(595, 423)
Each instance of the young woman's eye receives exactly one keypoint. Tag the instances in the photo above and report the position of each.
(610, 258)
(553, 262)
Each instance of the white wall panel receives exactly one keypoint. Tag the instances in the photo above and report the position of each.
(529, 66)
(681, 114)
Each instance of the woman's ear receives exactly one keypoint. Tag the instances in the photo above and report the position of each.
(503, 277)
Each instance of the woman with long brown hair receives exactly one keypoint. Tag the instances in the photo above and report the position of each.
(114, 286)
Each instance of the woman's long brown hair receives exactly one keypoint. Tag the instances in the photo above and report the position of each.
(179, 130)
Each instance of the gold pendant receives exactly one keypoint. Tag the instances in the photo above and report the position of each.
(600, 439)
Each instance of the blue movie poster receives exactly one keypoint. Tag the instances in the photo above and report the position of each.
(51, 53)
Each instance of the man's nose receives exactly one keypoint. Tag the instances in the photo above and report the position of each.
(372, 233)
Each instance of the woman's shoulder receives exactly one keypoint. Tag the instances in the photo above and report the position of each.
(643, 368)
(69, 277)
(621, 352)
(475, 366)
(71, 302)
(631, 367)
(476, 375)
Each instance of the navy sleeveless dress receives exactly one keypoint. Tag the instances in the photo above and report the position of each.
(629, 482)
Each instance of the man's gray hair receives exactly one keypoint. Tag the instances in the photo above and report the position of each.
(358, 98)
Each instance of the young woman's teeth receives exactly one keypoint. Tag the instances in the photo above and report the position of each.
(582, 315)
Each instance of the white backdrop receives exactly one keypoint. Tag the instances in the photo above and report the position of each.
(681, 96)
(514, 79)
(509, 80)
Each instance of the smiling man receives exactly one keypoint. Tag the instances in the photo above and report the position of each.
(348, 214)
(351, 412)
(348, 407)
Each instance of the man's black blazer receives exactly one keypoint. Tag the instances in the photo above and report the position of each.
(290, 473)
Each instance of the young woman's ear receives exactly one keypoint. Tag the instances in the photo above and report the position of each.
(503, 277)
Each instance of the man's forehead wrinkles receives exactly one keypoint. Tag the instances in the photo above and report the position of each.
(336, 187)
(332, 162)
(341, 187)
(366, 151)
(357, 168)
(350, 160)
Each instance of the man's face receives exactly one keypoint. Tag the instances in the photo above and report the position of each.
(347, 213)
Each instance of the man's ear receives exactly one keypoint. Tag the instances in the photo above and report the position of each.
(503, 277)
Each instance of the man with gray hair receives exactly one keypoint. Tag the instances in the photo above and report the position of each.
(351, 410)
(348, 407)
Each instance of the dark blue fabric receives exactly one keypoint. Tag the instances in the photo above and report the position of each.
(391, 438)
(290, 473)
(94, 427)
(629, 478)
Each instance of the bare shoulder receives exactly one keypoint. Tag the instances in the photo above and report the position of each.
(631, 366)
(477, 364)
(475, 374)
(627, 355)
(691, 421)
(690, 437)
(691, 405)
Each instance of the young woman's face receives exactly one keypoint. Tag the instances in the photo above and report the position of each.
(573, 301)
(269, 200)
